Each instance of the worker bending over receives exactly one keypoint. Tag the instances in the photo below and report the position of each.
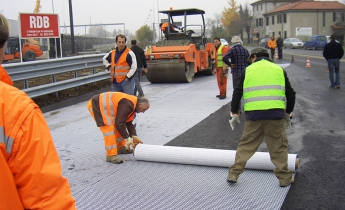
(114, 113)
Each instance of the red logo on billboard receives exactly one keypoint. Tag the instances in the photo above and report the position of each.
(39, 25)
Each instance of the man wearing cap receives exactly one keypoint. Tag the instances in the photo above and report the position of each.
(264, 86)
(236, 58)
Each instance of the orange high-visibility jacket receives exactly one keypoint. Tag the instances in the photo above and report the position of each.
(103, 107)
(164, 25)
(272, 44)
(31, 174)
(120, 69)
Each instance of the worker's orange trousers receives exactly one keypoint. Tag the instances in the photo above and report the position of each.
(112, 138)
(222, 81)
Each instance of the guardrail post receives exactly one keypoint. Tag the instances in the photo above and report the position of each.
(76, 76)
(53, 81)
(26, 84)
(94, 72)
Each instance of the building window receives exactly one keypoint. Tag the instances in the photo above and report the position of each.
(273, 20)
(267, 21)
(257, 22)
(273, 34)
(323, 19)
(261, 22)
(279, 19)
(338, 17)
(285, 34)
(284, 18)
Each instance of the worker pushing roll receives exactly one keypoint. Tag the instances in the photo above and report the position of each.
(269, 100)
(114, 113)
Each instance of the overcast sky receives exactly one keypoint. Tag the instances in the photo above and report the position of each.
(133, 13)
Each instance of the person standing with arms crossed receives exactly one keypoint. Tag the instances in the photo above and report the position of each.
(141, 67)
(122, 64)
(272, 44)
(222, 70)
(31, 174)
(236, 58)
(264, 87)
(280, 47)
(333, 52)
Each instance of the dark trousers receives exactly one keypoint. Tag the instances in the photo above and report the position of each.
(235, 80)
(280, 52)
(272, 53)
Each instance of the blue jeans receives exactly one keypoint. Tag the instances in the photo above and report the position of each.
(333, 66)
(124, 86)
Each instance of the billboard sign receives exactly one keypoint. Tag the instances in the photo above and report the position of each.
(37, 25)
(304, 31)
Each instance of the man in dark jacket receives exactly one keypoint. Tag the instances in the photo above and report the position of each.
(333, 52)
(280, 47)
(141, 67)
(264, 86)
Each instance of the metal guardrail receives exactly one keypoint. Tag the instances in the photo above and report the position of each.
(35, 69)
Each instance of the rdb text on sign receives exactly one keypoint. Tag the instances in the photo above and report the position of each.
(39, 25)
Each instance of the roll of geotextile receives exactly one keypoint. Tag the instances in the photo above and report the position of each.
(206, 157)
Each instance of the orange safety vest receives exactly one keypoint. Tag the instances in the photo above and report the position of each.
(163, 27)
(108, 102)
(120, 69)
(28, 158)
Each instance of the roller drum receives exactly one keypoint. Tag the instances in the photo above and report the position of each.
(170, 71)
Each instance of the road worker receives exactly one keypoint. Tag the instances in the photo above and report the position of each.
(173, 28)
(222, 69)
(31, 175)
(122, 65)
(114, 113)
(269, 100)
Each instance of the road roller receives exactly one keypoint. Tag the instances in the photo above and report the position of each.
(182, 50)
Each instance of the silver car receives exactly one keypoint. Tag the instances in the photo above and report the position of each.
(293, 43)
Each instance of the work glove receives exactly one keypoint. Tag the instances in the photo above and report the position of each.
(136, 141)
(129, 143)
(288, 120)
(234, 118)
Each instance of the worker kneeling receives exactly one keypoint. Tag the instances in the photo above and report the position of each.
(114, 113)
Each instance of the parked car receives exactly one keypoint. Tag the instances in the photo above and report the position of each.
(292, 43)
(224, 42)
(264, 42)
(315, 42)
(329, 39)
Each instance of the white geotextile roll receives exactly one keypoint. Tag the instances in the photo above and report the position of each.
(204, 157)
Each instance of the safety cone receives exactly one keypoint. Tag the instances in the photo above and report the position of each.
(276, 56)
(308, 63)
(292, 60)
